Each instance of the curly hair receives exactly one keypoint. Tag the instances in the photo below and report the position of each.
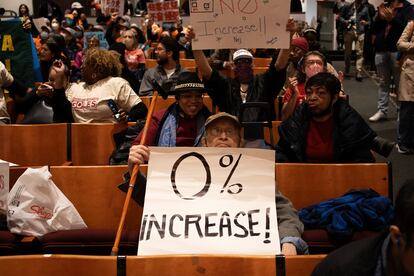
(103, 62)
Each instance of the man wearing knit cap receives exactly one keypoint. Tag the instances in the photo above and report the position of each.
(298, 48)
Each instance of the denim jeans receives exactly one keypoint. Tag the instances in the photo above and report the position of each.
(387, 67)
(406, 125)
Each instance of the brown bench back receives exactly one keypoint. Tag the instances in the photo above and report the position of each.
(306, 184)
(34, 144)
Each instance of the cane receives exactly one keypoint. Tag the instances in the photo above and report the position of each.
(158, 91)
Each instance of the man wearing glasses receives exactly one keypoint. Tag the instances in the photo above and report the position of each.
(325, 128)
(224, 130)
(166, 72)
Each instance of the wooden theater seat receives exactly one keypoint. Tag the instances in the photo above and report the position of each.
(307, 184)
(41, 265)
(188, 63)
(93, 143)
(94, 192)
(34, 144)
(274, 131)
(223, 265)
(187, 265)
(150, 63)
(259, 70)
(261, 62)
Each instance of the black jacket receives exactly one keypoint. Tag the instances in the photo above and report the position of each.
(356, 258)
(225, 93)
(352, 137)
(388, 43)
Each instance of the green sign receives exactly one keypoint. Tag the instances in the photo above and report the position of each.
(16, 51)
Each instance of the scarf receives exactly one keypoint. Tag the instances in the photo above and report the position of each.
(168, 132)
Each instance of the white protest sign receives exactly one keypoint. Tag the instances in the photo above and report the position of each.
(4, 186)
(39, 22)
(210, 201)
(236, 24)
(99, 35)
(111, 6)
(163, 11)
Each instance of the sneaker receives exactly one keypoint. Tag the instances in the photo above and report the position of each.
(403, 150)
(378, 116)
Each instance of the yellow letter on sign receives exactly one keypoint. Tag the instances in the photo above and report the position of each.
(7, 44)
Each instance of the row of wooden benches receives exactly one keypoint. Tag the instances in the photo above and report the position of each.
(93, 191)
(214, 265)
(59, 144)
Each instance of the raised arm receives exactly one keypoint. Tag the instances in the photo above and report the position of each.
(200, 59)
(283, 57)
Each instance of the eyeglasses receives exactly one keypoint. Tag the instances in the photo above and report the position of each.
(217, 131)
(312, 62)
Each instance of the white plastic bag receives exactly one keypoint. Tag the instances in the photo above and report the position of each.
(36, 206)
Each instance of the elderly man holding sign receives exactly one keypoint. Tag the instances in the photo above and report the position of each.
(223, 130)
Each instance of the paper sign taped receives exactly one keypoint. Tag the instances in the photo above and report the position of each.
(210, 201)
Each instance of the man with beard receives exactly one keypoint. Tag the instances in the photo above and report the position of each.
(325, 129)
(391, 253)
(166, 73)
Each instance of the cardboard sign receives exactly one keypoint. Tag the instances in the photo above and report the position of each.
(236, 24)
(111, 6)
(210, 201)
(100, 35)
(4, 186)
(163, 11)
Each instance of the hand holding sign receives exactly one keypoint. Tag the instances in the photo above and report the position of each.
(237, 23)
(199, 200)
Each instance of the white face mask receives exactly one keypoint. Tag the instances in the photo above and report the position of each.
(55, 26)
(312, 70)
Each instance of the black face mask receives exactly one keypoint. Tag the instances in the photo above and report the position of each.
(243, 72)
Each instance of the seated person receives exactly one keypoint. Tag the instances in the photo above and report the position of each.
(391, 253)
(181, 124)
(298, 48)
(312, 63)
(167, 54)
(7, 81)
(87, 101)
(224, 130)
(325, 129)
